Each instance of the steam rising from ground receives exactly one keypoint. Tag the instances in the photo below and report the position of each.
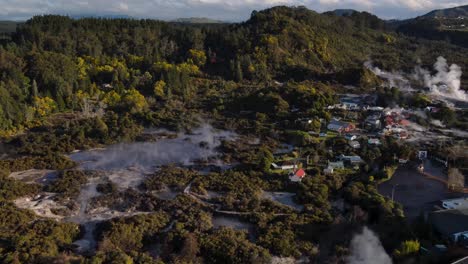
(394, 79)
(445, 83)
(184, 149)
(367, 249)
(126, 164)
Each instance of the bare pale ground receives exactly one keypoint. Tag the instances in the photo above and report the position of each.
(32, 175)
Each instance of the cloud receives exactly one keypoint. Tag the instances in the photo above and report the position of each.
(218, 9)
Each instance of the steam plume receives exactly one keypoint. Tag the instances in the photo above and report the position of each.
(367, 249)
(446, 82)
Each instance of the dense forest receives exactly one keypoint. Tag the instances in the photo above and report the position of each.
(53, 60)
(68, 84)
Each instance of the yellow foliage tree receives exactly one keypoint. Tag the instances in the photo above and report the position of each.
(82, 69)
(112, 98)
(159, 88)
(44, 106)
(198, 57)
(135, 101)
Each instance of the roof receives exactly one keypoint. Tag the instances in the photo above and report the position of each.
(404, 122)
(336, 164)
(300, 173)
(459, 203)
(449, 222)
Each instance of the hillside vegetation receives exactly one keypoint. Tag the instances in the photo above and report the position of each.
(53, 61)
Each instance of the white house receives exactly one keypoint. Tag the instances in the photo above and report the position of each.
(459, 203)
(355, 144)
(374, 141)
(284, 166)
(336, 165)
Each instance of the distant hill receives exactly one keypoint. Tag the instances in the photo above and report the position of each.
(342, 12)
(449, 25)
(455, 12)
(107, 16)
(197, 20)
(8, 26)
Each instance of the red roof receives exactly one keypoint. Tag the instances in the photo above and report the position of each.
(404, 122)
(300, 173)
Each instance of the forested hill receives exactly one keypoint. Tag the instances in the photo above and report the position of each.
(455, 12)
(448, 25)
(53, 61)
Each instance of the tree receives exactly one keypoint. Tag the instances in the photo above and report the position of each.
(44, 106)
(456, 179)
(134, 101)
(159, 87)
(198, 57)
(265, 158)
(112, 98)
(408, 247)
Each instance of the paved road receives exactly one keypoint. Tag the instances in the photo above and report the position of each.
(414, 191)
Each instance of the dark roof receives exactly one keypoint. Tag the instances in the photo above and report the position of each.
(448, 222)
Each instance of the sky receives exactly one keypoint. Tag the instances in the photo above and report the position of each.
(226, 10)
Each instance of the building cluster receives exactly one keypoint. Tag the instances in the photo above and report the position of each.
(450, 219)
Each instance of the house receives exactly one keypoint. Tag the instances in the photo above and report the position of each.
(401, 135)
(297, 176)
(332, 166)
(328, 171)
(459, 203)
(323, 134)
(339, 126)
(284, 166)
(336, 165)
(351, 159)
(373, 122)
(355, 144)
(374, 141)
(452, 224)
(351, 103)
(350, 137)
(374, 108)
(404, 122)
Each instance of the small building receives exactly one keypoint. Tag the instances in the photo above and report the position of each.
(404, 122)
(297, 176)
(340, 127)
(284, 166)
(452, 224)
(354, 160)
(355, 144)
(373, 122)
(336, 165)
(328, 171)
(374, 141)
(459, 203)
(350, 137)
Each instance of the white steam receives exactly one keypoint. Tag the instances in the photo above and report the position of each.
(394, 79)
(367, 249)
(445, 83)
(185, 149)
